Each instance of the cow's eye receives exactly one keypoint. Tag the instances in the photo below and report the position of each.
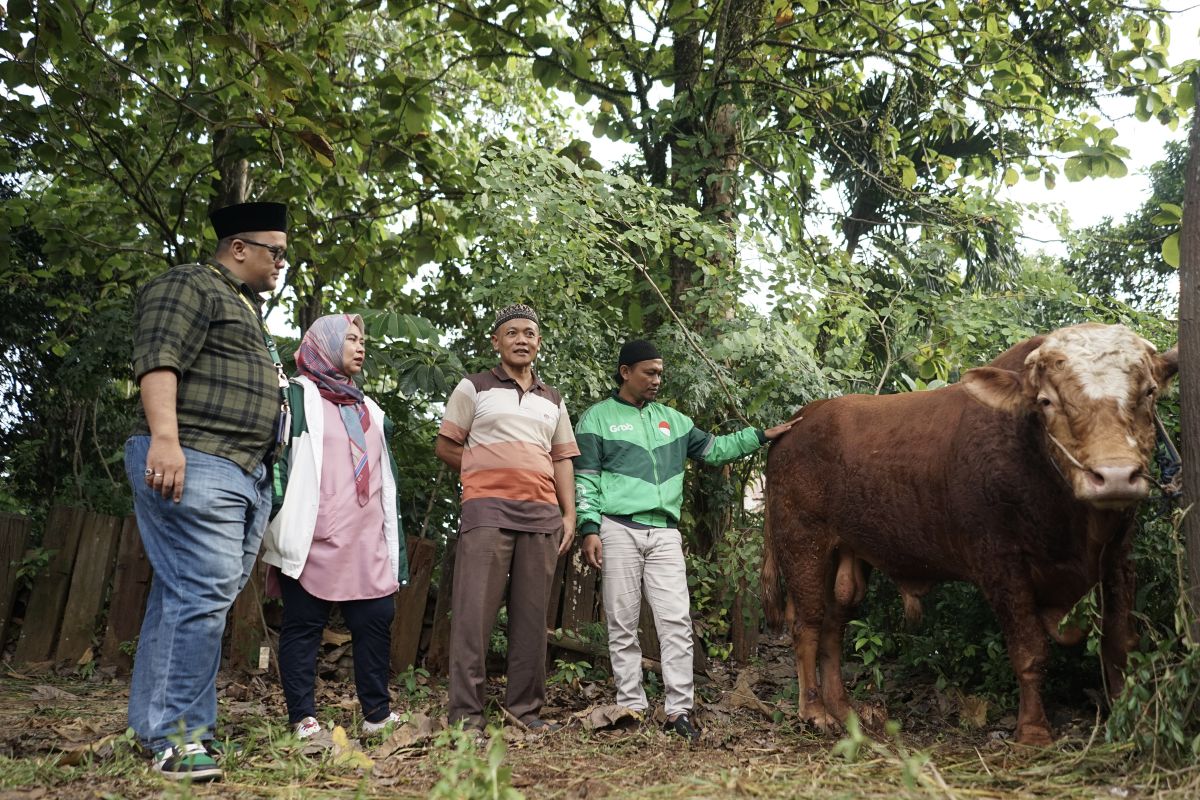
(1150, 392)
(1045, 402)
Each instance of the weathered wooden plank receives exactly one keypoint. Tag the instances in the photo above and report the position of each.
(14, 538)
(410, 604)
(245, 623)
(98, 538)
(437, 660)
(43, 617)
(579, 594)
(131, 585)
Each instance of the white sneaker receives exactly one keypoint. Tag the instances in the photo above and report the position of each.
(372, 728)
(307, 727)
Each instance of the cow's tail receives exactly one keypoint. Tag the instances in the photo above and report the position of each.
(772, 597)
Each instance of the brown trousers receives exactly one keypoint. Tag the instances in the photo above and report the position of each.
(485, 559)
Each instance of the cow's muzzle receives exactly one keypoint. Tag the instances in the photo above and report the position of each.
(1113, 485)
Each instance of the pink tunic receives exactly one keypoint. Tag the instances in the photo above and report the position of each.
(348, 559)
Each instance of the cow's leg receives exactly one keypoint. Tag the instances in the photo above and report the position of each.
(846, 592)
(1028, 649)
(805, 575)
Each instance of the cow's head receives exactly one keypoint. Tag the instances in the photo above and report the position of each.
(1094, 388)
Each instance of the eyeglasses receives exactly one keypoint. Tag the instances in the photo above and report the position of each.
(277, 252)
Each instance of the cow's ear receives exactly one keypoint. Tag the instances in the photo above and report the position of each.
(1166, 365)
(1001, 389)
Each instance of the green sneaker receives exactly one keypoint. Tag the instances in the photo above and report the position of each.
(221, 749)
(190, 762)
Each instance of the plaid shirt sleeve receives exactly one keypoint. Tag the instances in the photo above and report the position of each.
(172, 323)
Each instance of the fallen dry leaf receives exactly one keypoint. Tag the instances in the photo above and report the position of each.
(602, 717)
(77, 755)
(742, 695)
(587, 789)
(317, 744)
(347, 752)
(44, 692)
(419, 728)
(972, 710)
(78, 729)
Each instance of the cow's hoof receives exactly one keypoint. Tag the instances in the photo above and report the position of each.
(1034, 736)
(821, 721)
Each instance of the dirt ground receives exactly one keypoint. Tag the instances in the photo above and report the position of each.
(63, 736)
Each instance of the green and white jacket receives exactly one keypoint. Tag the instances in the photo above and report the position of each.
(631, 461)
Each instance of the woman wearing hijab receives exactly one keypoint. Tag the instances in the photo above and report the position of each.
(337, 536)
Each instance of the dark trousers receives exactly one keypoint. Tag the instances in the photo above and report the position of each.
(485, 559)
(304, 618)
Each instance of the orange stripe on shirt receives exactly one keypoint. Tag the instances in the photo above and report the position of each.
(507, 455)
(510, 484)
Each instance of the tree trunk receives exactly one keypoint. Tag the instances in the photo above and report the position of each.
(1189, 360)
(309, 303)
(232, 183)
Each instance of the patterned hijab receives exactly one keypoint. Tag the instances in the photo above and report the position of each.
(320, 360)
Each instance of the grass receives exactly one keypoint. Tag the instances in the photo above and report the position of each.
(742, 755)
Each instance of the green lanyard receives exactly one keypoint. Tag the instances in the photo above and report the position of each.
(285, 411)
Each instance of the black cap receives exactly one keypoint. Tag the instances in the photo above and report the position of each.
(247, 217)
(633, 352)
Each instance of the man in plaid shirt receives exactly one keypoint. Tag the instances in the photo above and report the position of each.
(202, 492)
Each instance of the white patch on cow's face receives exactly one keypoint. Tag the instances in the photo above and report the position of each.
(1105, 359)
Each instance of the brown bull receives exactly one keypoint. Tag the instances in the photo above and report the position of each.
(1021, 479)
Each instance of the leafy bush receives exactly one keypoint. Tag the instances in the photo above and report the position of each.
(1159, 708)
(465, 775)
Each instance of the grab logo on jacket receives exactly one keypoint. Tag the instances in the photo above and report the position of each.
(625, 426)
(665, 429)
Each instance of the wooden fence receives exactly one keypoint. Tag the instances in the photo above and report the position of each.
(91, 594)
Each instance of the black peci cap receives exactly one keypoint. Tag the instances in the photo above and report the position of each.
(247, 217)
(633, 352)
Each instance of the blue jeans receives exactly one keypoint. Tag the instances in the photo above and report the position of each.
(202, 550)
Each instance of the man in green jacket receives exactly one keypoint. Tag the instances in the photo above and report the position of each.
(629, 487)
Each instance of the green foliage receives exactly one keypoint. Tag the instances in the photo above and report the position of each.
(32, 564)
(1158, 709)
(714, 580)
(568, 673)
(468, 776)
(414, 682)
(868, 647)
(652, 684)
(498, 639)
(856, 743)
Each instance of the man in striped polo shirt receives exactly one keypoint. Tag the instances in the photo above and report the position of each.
(509, 436)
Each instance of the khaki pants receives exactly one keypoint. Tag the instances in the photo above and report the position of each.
(651, 559)
(485, 559)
